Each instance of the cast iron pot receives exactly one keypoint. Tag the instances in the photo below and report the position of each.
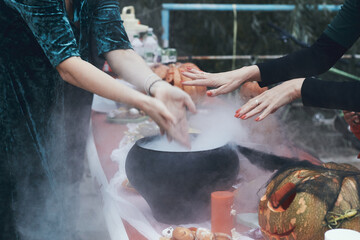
(178, 185)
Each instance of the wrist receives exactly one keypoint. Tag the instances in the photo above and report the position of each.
(150, 81)
(247, 74)
(142, 102)
(252, 73)
(157, 85)
(297, 85)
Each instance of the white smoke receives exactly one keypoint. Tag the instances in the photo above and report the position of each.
(216, 125)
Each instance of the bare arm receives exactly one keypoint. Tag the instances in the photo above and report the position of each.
(84, 75)
(223, 82)
(130, 66)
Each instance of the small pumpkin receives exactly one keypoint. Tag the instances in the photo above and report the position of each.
(160, 70)
(196, 92)
(251, 89)
(172, 74)
(305, 201)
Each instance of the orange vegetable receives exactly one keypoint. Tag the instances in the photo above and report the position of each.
(181, 233)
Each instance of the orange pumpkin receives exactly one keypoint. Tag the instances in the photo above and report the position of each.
(160, 70)
(172, 74)
(251, 89)
(303, 202)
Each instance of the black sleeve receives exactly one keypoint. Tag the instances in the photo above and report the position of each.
(317, 59)
(330, 94)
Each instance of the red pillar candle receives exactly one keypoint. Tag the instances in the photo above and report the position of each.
(222, 218)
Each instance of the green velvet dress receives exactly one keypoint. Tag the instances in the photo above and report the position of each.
(43, 120)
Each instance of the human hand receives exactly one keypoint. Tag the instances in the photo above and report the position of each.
(271, 100)
(352, 118)
(176, 102)
(224, 82)
(251, 89)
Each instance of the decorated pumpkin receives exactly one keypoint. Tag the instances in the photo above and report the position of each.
(172, 74)
(304, 201)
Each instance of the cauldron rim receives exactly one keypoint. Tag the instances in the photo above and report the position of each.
(140, 142)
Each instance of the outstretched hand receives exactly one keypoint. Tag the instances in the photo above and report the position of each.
(271, 100)
(177, 102)
(224, 82)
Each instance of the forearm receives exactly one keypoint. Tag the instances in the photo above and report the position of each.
(329, 94)
(128, 65)
(317, 59)
(84, 75)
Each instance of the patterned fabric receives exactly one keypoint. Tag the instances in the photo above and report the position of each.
(43, 120)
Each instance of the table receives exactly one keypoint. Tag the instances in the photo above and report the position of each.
(105, 137)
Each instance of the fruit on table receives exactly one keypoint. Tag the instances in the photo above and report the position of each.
(181, 233)
(204, 234)
(304, 202)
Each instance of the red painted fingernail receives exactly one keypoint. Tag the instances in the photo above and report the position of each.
(237, 115)
(209, 93)
(243, 116)
(257, 119)
(238, 110)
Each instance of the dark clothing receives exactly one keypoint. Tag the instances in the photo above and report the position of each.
(307, 62)
(43, 120)
(320, 93)
(337, 38)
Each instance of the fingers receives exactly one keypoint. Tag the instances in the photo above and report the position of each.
(169, 138)
(217, 91)
(254, 111)
(199, 82)
(168, 116)
(247, 107)
(194, 73)
(180, 134)
(184, 140)
(269, 110)
(255, 106)
(190, 104)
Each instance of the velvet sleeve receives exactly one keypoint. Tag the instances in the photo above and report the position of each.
(107, 26)
(48, 22)
(331, 94)
(339, 36)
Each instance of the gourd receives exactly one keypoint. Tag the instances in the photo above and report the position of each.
(172, 74)
(304, 202)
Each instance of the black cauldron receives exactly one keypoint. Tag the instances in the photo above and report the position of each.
(178, 185)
